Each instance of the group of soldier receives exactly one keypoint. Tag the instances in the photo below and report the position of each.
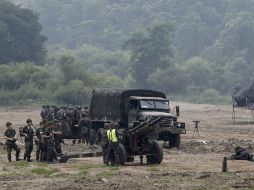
(74, 116)
(47, 140)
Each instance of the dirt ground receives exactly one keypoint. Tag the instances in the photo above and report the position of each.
(196, 165)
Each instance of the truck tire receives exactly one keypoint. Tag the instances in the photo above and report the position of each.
(174, 141)
(123, 155)
(157, 150)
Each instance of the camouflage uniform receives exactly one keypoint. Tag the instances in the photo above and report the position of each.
(50, 145)
(84, 125)
(11, 144)
(57, 137)
(28, 132)
(104, 143)
(39, 143)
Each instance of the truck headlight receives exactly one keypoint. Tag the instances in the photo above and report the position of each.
(179, 125)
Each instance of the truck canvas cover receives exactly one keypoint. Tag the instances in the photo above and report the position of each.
(110, 103)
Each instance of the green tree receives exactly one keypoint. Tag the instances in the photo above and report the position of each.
(72, 70)
(150, 49)
(20, 35)
(198, 72)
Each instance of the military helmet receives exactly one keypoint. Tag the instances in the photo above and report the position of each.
(8, 124)
(86, 107)
(29, 121)
(106, 125)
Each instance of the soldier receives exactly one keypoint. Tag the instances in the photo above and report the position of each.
(39, 142)
(28, 133)
(104, 143)
(242, 154)
(86, 111)
(57, 132)
(113, 143)
(84, 125)
(50, 145)
(10, 136)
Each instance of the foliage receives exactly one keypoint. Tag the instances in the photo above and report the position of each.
(150, 49)
(44, 171)
(20, 35)
(207, 52)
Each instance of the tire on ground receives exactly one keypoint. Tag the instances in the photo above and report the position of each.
(157, 150)
(122, 154)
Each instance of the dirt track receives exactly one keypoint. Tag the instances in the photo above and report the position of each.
(196, 165)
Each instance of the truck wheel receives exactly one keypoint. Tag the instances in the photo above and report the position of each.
(174, 141)
(122, 154)
(157, 150)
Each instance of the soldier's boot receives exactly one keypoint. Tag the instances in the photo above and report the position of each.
(37, 156)
(74, 141)
(17, 154)
(25, 156)
(9, 157)
(29, 158)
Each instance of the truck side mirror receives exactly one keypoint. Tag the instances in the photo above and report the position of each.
(177, 111)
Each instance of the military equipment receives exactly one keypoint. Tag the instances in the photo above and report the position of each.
(144, 117)
(243, 97)
(131, 107)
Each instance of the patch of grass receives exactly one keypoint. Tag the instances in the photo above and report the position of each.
(20, 164)
(105, 174)
(5, 169)
(41, 164)
(11, 173)
(113, 168)
(153, 168)
(44, 171)
(84, 168)
(83, 171)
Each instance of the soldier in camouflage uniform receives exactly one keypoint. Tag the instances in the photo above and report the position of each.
(104, 143)
(28, 133)
(40, 155)
(84, 125)
(48, 138)
(57, 132)
(10, 136)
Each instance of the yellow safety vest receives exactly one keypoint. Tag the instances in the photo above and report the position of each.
(112, 135)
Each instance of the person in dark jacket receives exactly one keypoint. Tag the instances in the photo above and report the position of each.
(10, 136)
(28, 133)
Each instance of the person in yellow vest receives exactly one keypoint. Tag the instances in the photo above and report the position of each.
(113, 143)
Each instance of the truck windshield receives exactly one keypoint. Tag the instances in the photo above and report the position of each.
(154, 104)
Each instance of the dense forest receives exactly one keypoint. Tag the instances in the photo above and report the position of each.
(194, 50)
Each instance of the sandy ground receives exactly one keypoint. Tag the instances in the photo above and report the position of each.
(196, 165)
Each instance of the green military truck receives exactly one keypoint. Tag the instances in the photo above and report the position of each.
(144, 117)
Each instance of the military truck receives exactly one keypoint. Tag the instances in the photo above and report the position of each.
(144, 117)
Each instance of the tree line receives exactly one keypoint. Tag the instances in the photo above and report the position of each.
(194, 50)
